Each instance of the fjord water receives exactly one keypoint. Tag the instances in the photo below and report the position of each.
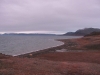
(17, 44)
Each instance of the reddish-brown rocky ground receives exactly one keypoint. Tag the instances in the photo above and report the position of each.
(86, 62)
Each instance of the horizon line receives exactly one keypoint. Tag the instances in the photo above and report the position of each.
(33, 32)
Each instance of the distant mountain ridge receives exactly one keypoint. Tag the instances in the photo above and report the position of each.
(82, 32)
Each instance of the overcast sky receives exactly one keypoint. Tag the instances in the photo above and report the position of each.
(48, 15)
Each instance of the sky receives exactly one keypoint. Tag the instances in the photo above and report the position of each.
(48, 16)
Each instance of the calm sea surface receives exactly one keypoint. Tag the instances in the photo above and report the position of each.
(18, 44)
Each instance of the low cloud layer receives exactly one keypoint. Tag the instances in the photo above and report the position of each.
(48, 15)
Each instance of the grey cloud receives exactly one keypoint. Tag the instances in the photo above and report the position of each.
(48, 15)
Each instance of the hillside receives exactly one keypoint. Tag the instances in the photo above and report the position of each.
(93, 34)
(82, 32)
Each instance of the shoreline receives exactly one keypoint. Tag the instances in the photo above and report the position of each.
(43, 51)
(75, 45)
(69, 45)
(47, 50)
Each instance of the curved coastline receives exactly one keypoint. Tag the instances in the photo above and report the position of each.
(47, 50)
(42, 51)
